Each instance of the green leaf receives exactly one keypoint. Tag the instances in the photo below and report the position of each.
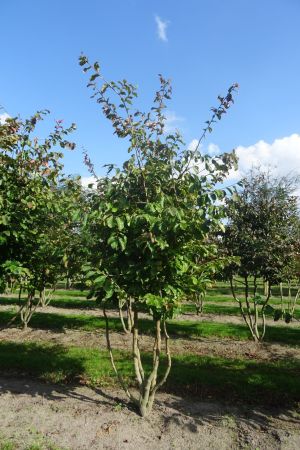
(113, 241)
(259, 300)
(194, 280)
(120, 223)
(222, 227)
(123, 242)
(90, 274)
(94, 76)
(110, 221)
(109, 293)
(96, 66)
(99, 281)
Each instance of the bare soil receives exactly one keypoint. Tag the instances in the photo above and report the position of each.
(81, 418)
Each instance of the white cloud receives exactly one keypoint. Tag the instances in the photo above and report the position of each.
(172, 121)
(200, 165)
(281, 156)
(85, 181)
(193, 144)
(3, 118)
(213, 149)
(162, 28)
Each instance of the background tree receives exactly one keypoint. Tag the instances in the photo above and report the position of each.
(36, 206)
(289, 286)
(149, 218)
(262, 232)
(78, 243)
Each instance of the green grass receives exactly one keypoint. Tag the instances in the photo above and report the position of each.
(235, 380)
(224, 289)
(63, 302)
(183, 328)
(225, 298)
(10, 444)
(228, 310)
(70, 301)
(71, 293)
(280, 334)
(209, 308)
(7, 445)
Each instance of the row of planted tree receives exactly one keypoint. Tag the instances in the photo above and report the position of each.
(152, 234)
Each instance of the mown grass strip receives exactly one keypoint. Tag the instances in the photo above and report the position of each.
(228, 310)
(265, 383)
(209, 308)
(228, 298)
(64, 302)
(71, 293)
(224, 289)
(183, 328)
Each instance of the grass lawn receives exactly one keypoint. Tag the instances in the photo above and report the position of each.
(228, 310)
(240, 380)
(62, 302)
(206, 377)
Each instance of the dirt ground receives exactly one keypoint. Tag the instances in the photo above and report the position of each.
(79, 418)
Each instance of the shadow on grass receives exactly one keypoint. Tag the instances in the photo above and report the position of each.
(206, 378)
(60, 322)
(40, 360)
(231, 392)
(179, 329)
(55, 372)
(240, 380)
(212, 305)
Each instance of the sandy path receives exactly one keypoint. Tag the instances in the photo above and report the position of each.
(79, 418)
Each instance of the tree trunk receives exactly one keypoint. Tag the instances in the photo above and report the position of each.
(147, 385)
(68, 283)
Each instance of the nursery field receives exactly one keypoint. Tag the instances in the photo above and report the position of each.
(59, 390)
(202, 364)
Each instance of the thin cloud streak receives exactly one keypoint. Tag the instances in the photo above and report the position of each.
(162, 28)
(172, 122)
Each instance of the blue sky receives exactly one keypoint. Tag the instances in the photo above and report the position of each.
(207, 45)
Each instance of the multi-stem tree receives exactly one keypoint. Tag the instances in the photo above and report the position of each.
(262, 232)
(150, 219)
